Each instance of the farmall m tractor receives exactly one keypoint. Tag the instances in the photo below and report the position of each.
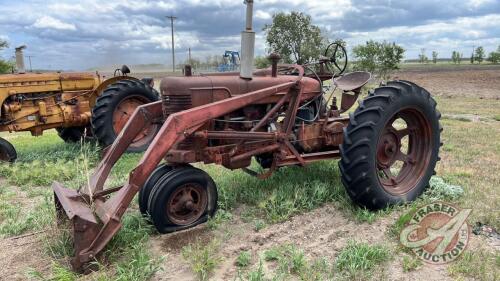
(388, 146)
(75, 104)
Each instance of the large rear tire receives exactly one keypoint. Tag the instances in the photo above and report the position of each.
(181, 199)
(390, 146)
(115, 106)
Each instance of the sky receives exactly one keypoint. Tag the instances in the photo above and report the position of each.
(78, 35)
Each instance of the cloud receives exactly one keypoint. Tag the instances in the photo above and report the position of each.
(52, 23)
(88, 33)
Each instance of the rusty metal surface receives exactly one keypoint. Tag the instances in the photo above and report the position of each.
(400, 170)
(352, 81)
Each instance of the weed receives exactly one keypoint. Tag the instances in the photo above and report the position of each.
(258, 274)
(220, 217)
(292, 261)
(358, 257)
(402, 221)
(139, 265)
(258, 225)
(410, 263)
(440, 190)
(202, 258)
(58, 243)
(496, 117)
(58, 273)
(244, 259)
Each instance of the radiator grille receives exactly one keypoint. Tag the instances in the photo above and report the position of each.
(175, 103)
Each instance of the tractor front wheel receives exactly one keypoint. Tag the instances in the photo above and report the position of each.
(114, 108)
(390, 146)
(7, 151)
(182, 198)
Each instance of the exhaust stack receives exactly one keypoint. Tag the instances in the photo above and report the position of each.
(20, 59)
(247, 44)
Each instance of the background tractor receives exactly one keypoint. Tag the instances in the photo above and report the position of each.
(282, 116)
(231, 61)
(75, 104)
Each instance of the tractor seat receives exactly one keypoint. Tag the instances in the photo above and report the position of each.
(352, 81)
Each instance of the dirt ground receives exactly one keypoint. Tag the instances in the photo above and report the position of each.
(465, 81)
(319, 233)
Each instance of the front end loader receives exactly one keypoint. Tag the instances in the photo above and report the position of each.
(388, 146)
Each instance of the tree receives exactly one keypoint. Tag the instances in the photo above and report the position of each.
(378, 57)
(422, 58)
(494, 57)
(295, 38)
(261, 62)
(5, 66)
(454, 57)
(479, 55)
(434, 56)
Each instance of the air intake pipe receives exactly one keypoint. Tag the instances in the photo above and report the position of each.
(247, 44)
(20, 59)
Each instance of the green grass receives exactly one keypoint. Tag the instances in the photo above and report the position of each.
(357, 258)
(203, 258)
(292, 263)
(244, 258)
(477, 265)
(410, 263)
(16, 221)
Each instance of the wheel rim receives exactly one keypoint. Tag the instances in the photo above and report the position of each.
(187, 204)
(122, 114)
(403, 151)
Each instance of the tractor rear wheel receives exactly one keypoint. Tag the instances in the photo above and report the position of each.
(7, 151)
(115, 106)
(73, 134)
(181, 199)
(390, 146)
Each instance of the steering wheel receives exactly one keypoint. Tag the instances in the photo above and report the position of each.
(337, 55)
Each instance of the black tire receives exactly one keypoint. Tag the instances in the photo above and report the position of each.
(166, 189)
(102, 120)
(145, 191)
(7, 151)
(361, 154)
(73, 134)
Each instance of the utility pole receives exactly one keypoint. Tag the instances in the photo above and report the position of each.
(189, 56)
(172, 18)
(29, 59)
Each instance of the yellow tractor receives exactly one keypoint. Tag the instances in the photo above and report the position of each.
(77, 105)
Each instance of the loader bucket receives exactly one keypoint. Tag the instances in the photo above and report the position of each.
(73, 206)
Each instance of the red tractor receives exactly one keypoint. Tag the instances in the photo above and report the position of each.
(388, 146)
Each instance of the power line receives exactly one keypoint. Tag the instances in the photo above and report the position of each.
(172, 18)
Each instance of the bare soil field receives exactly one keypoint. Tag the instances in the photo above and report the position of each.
(472, 81)
(249, 241)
